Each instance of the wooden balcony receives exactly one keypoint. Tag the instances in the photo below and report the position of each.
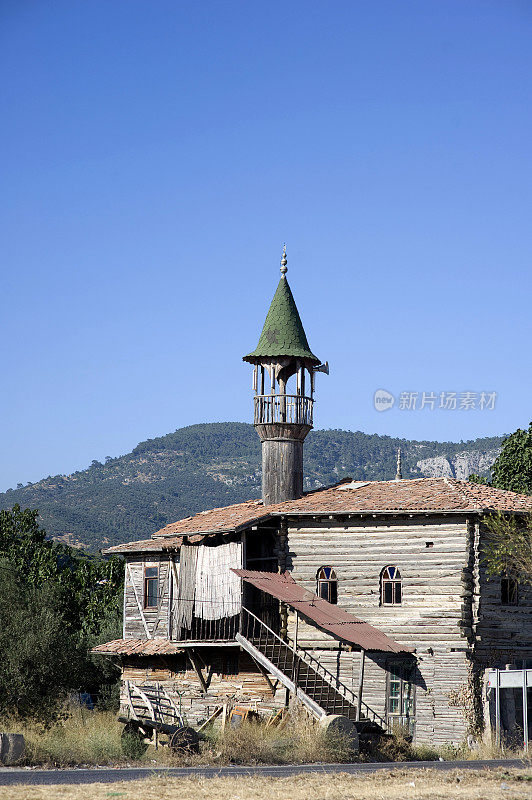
(208, 631)
(283, 408)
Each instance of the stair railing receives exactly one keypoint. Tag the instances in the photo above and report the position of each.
(252, 625)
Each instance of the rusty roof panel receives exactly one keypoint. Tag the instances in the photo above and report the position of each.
(330, 618)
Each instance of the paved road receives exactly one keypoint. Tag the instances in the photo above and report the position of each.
(11, 775)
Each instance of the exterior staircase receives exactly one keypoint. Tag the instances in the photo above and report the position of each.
(304, 676)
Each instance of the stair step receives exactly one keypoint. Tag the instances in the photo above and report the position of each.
(308, 679)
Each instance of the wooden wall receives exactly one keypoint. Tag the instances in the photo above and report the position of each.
(232, 677)
(503, 632)
(434, 617)
(141, 623)
(450, 613)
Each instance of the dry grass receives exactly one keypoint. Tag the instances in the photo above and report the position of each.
(485, 750)
(396, 785)
(91, 738)
(299, 741)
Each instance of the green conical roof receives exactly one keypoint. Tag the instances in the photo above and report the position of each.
(283, 333)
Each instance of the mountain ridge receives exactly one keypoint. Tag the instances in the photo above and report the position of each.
(215, 464)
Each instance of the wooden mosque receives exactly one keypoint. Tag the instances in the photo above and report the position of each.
(366, 599)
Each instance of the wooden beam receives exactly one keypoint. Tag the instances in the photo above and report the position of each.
(525, 710)
(360, 683)
(170, 598)
(264, 673)
(193, 660)
(160, 595)
(139, 604)
(224, 716)
(210, 719)
(176, 581)
(124, 607)
(284, 679)
(130, 701)
(497, 708)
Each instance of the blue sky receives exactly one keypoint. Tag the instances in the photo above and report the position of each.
(155, 155)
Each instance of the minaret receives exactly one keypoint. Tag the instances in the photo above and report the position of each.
(283, 412)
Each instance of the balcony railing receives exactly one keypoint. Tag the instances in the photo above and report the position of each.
(292, 408)
(208, 630)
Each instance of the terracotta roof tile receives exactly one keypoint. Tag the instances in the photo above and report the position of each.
(137, 647)
(419, 495)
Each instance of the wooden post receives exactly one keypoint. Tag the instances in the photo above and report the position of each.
(170, 596)
(360, 683)
(176, 584)
(224, 717)
(525, 712)
(197, 669)
(296, 630)
(497, 708)
(124, 607)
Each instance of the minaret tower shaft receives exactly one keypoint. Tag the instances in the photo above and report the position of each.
(283, 412)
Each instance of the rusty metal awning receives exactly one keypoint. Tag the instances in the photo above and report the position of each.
(330, 618)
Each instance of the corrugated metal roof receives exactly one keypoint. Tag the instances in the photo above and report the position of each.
(137, 647)
(330, 618)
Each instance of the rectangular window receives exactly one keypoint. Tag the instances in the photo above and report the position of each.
(509, 592)
(400, 695)
(328, 590)
(391, 593)
(151, 587)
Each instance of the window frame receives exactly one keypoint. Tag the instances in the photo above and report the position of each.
(327, 584)
(391, 582)
(401, 673)
(148, 581)
(510, 592)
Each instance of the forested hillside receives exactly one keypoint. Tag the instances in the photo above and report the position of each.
(215, 464)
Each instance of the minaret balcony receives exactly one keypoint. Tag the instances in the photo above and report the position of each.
(284, 408)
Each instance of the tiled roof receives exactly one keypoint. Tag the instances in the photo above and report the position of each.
(216, 520)
(283, 333)
(330, 618)
(137, 647)
(419, 495)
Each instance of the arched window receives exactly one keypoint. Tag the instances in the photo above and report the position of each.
(391, 594)
(327, 584)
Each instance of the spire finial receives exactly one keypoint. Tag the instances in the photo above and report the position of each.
(284, 261)
(398, 474)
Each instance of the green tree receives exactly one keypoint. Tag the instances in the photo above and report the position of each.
(41, 655)
(513, 468)
(55, 604)
(508, 550)
(479, 479)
